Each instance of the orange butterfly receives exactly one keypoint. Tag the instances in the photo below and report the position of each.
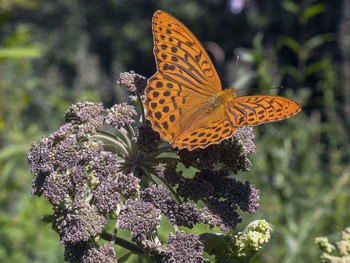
(184, 99)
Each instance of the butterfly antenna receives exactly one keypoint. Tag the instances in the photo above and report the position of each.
(234, 73)
(280, 87)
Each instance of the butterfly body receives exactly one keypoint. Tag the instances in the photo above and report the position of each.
(184, 99)
(222, 98)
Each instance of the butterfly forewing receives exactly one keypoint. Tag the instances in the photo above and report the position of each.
(181, 58)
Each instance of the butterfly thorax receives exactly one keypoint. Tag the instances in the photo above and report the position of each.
(221, 99)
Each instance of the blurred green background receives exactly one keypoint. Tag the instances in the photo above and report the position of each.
(55, 53)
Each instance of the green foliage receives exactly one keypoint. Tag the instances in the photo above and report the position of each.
(302, 172)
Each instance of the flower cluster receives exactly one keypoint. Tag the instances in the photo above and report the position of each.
(147, 138)
(179, 248)
(132, 81)
(87, 252)
(232, 153)
(80, 178)
(240, 247)
(120, 115)
(222, 194)
(91, 176)
(338, 252)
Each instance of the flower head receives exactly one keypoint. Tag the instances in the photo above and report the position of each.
(132, 81)
(79, 224)
(88, 252)
(179, 248)
(147, 138)
(120, 115)
(231, 153)
(141, 218)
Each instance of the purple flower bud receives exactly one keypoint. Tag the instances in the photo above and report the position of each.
(103, 254)
(106, 195)
(159, 196)
(141, 218)
(200, 158)
(80, 224)
(39, 157)
(231, 153)
(129, 185)
(132, 81)
(179, 248)
(246, 135)
(186, 214)
(81, 112)
(88, 252)
(195, 188)
(147, 138)
(226, 210)
(212, 219)
(120, 115)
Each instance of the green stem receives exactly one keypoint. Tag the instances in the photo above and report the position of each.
(123, 243)
(142, 108)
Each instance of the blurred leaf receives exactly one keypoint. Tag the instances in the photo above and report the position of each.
(244, 79)
(317, 41)
(291, 7)
(314, 67)
(245, 55)
(258, 41)
(314, 10)
(289, 42)
(12, 151)
(10, 4)
(19, 52)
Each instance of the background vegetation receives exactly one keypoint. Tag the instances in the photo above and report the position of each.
(54, 53)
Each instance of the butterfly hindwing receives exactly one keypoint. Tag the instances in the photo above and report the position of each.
(254, 110)
(210, 129)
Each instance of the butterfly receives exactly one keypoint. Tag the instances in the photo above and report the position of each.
(184, 98)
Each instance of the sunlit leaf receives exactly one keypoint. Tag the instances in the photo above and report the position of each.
(19, 52)
(289, 42)
(314, 10)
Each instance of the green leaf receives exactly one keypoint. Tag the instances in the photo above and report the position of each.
(19, 52)
(12, 151)
(125, 257)
(316, 41)
(314, 67)
(291, 43)
(291, 7)
(314, 10)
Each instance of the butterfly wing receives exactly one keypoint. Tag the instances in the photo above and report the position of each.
(210, 129)
(170, 108)
(180, 57)
(184, 81)
(254, 110)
